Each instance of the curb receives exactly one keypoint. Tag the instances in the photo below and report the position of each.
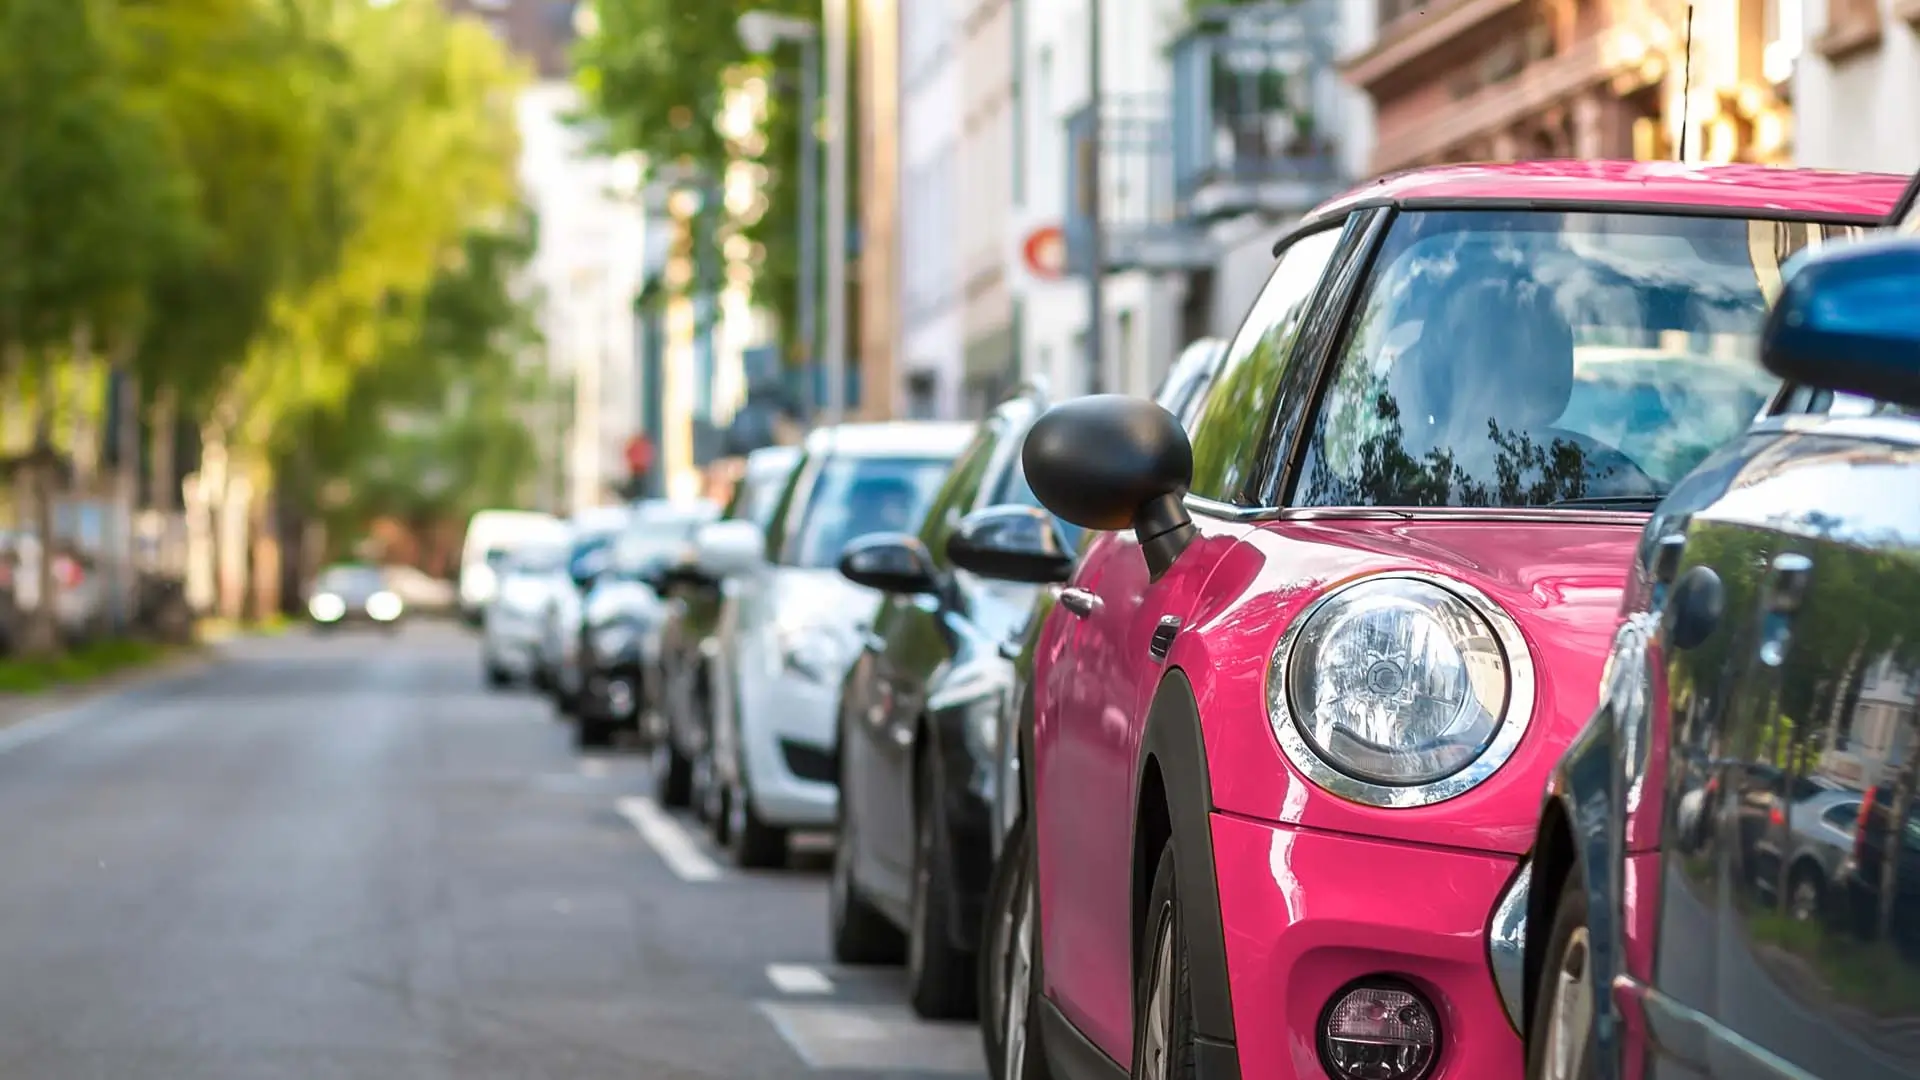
(20, 708)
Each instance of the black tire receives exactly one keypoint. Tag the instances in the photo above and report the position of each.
(940, 977)
(592, 733)
(498, 678)
(754, 844)
(1168, 975)
(857, 931)
(1565, 946)
(1000, 978)
(720, 813)
(672, 775)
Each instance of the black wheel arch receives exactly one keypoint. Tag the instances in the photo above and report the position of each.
(1175, 803)
(1554, 853)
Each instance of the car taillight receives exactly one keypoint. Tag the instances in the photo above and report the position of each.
(1777, 816)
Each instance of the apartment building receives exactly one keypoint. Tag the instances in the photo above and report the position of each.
(933, 191)
(1855, 71)
(985, 166)
(1475, 80)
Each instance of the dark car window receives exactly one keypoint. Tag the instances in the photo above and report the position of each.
(1014, 491)
(956, 497)
(1810, 400)
(757, 495)
(359, 581)
(1184, 391)
(852, 496)
(1842, 816)
(1524, 358)
(1226, 433)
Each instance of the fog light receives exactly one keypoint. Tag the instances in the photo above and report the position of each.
(1378, 1030)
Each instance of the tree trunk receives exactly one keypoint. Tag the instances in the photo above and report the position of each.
(1891, 854)
(126, 487)
(40, 637)
(265, 577)
(163, 487)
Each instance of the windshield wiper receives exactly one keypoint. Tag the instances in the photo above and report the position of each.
(1608, 502)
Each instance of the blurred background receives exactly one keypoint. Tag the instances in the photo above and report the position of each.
(285, 282)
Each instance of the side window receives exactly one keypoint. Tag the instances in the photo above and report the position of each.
(793, 502)
(1237, 406)
(1842, 816)
(962, 485)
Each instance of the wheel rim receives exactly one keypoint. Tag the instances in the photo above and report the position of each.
(1154, 1049)
(1804, 901)
(1019, 979)
(1572, 1008)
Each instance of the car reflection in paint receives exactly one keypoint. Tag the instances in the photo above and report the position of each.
(1294, 707)
(1728, 860)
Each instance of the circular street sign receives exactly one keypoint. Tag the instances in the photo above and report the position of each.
(1045, 252)
(639, 454)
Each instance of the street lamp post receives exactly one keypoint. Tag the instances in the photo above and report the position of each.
(760, 31)
(1096, 248)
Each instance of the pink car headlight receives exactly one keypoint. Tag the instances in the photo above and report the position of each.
(1400, 689)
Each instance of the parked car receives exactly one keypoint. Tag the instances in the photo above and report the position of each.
(354, 594)
(916, 747)
(1005, 967)
(791, 623)
(1764, 676)
(423, 593)
(683, 747)
(623, 614)
(1293, 709)
(79, 599)
(514, 622)
(490, 535)
(590, 536)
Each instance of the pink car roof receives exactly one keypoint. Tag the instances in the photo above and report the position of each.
(1817, 193)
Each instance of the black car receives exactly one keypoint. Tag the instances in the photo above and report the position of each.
(622, 616)
(354, 594)
(919, 732)
(1769, 655)
(681, 693)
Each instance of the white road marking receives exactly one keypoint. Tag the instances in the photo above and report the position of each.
(884, 1038)
(799, 979)
(679, 850)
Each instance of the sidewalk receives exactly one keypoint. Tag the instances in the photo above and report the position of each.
(17, 708)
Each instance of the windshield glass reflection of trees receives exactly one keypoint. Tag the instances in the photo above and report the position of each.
(1512, 359)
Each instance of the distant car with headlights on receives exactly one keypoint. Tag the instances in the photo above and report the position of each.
(354, 594)
(622, 616)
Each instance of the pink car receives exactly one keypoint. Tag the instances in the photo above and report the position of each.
(1293, 710)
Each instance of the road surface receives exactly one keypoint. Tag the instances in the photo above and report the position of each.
(341, 858)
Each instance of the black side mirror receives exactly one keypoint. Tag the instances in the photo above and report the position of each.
(890, 562)
(1011, 543)
(1112, 462)
(1847, 321)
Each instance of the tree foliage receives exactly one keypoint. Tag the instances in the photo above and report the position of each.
(655, 75)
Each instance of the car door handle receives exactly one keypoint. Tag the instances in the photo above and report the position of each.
(1079, 601)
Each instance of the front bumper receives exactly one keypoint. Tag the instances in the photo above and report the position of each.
(1306, 913)
(786, 743)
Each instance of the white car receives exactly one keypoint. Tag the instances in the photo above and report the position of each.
(491, 534)
(515, 620)
(790, 624)
(592, 533)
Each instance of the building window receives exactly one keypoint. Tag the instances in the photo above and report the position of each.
(922, 396)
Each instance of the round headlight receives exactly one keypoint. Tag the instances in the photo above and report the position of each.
(1400, 690)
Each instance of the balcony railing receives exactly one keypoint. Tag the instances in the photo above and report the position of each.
(1142, 222)
(1255, 105)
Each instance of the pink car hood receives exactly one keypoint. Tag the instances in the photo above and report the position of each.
(1560, 579)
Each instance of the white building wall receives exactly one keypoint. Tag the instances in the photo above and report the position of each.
(1862, 111)
(587, 267)
(931, 194)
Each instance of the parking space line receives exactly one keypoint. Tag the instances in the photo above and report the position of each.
(799, 979)
(678, 849)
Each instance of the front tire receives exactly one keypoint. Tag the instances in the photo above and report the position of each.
(754, 844)
(940, 977)
(592, 733)
(1007, 971)
(672, 774)
(1163, 1042)
(1560, 1041)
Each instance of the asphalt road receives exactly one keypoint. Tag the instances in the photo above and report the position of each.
(342, 858)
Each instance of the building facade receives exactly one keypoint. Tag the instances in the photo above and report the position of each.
(1855, 69)
(985, 170)
(932, 339)
(1495, 80)
(874, 309)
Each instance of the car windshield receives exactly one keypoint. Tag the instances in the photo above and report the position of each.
(854, 496)
(1529, 358)
(537, 559)
(656, 539)
(351, 580)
